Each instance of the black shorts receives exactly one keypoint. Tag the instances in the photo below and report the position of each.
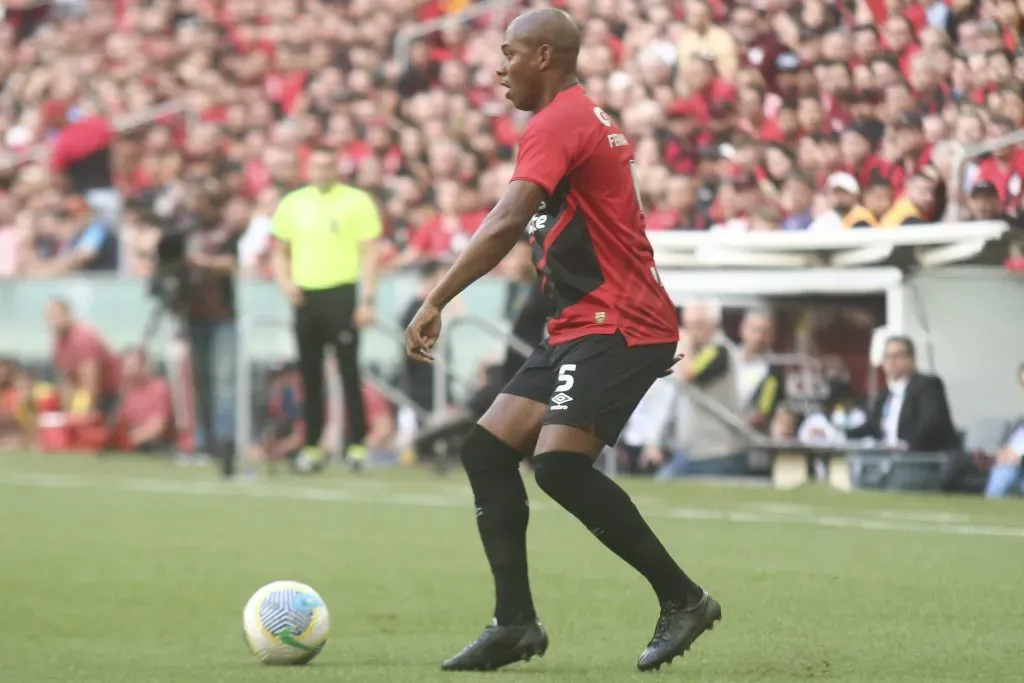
(594, 382)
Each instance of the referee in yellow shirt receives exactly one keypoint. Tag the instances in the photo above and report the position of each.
(325, 261)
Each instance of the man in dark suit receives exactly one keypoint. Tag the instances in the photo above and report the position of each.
(912, 413)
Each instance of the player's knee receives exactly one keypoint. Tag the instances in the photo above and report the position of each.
(557, 472)
(482, 452)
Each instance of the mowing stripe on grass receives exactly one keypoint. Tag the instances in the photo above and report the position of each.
(936, 523)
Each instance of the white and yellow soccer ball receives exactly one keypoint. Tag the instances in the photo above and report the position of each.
(286, 622)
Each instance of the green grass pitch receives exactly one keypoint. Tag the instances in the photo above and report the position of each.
(125, 570)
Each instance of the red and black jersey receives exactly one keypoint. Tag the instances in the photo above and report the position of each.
(589, 244)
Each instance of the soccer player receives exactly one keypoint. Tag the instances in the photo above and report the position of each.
(612, 334)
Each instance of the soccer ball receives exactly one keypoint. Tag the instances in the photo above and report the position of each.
(286, 622)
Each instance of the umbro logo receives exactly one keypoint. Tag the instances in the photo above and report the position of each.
(560, 401)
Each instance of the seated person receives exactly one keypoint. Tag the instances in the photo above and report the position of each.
(912, 414)
(785, 423)
(840, 412)
(1005, 477)
(83, 361)
(700, 442)
(145, 418)
(285, 431)
(22, 399)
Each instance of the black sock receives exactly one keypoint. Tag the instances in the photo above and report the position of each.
(605, 509)
(502, 513)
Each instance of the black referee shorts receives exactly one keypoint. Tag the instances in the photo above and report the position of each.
(594, 382)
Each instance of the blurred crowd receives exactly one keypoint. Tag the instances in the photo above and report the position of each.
(747, 115)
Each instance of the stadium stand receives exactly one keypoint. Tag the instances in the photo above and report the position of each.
(742, 114)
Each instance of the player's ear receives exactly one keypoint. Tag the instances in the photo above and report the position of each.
(544, 56)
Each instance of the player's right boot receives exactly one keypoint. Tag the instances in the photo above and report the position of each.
(677, 629)
(499, 646)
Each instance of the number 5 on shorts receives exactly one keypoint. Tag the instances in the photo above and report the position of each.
(565, 378)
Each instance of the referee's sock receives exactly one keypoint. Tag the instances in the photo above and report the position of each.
(502, 513)
(605, 509)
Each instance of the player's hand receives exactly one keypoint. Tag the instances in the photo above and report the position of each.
(363, 316)
(422, 333)
(672, 365)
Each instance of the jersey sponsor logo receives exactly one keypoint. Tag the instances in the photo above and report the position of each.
(538, 222)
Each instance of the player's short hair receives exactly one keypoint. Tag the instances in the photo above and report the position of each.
(907, 342)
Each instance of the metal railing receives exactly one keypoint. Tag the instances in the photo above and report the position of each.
(723, 414)
(963, 155)
(243, 403)
(410, 34)
(441, 373)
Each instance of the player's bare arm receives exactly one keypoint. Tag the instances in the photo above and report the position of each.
(492, 242)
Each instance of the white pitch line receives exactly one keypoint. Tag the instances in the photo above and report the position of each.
(924, 524)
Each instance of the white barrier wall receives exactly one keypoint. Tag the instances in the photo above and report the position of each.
(968, 322)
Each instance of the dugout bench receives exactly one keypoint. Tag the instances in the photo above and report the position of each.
(847, 467)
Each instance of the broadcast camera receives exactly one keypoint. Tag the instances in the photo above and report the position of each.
(170, 277)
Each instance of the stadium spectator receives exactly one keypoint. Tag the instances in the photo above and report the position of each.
(210, 312)
(263, 86)
(1005, 477)
(761, 383)
(89, 372)
(699, 443)
(912, 413)
(145, 417)
(984, 203)
(797, 202)
(22, 399)
(845, 211)
(284, 432)
(74, 241)
(915, 206)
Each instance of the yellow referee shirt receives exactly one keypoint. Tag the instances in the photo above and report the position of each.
(325, 232)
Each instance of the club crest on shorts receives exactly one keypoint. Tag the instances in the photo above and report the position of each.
(599, 317)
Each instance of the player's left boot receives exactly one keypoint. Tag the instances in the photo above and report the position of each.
(499, 646)
(677, 629)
